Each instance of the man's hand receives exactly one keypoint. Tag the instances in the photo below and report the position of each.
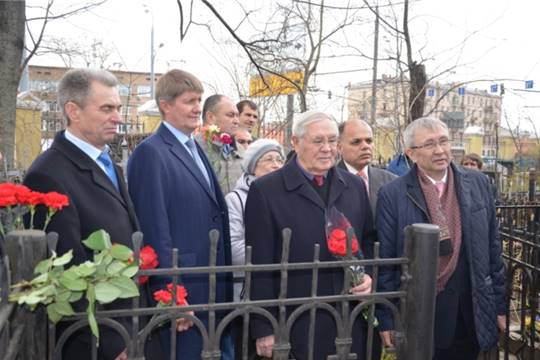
(363, 288)
(386, 338)
(182, 324)
(122, 355)
(501, 322)
(264, 346)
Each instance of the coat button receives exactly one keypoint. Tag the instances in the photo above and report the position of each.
(215, 218)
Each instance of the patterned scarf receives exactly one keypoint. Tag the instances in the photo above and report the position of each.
(445, 213)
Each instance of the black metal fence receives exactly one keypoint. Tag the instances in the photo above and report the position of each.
(520, 235)
(414, 317)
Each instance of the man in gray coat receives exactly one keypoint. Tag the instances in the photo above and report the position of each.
(356, 149)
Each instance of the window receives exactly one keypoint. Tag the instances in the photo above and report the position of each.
(143, 90)
(123, 90)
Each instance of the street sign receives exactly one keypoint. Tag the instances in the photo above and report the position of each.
(275, 85)
(494, 88)
(461, 91)
(431, 92)
(529, 84)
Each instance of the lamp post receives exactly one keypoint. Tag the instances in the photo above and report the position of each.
(148, 9)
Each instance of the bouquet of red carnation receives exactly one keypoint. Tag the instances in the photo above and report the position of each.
(165, 297)
(338, 230)
(16, 200)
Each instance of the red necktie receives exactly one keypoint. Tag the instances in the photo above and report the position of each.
(363, 175)
(319, 179)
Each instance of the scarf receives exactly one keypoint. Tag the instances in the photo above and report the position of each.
(445, 213)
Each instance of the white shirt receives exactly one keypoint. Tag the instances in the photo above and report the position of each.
(87, 148)
(352, 170)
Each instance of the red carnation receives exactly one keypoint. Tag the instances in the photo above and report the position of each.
(165, 296)
(55, 201)
(148, 259)
(225, 139)
(8, 193)
(181, 294)
(337, 243)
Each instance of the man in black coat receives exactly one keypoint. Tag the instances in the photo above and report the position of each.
(297, 197)
(78, 165)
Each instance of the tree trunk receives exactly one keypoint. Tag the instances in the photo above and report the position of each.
(12, 21)
(417, 93)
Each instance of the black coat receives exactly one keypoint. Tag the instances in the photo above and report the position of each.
(94, 203)
(285, 199)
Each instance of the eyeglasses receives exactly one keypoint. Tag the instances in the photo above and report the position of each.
(320, 142)
(432, 144)
(272, 159)
(244, 141)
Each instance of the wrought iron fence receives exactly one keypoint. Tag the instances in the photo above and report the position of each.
(414, 317)
(520, 234)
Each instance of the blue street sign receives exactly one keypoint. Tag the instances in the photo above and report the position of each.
(529, 84)
(494, 88)
(461, 91)
(431, 92)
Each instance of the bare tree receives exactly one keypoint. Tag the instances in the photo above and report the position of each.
(13, 22)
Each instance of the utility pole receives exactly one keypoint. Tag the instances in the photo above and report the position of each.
(375, 58)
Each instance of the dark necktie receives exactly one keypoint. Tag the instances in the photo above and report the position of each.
(106, 160)
(319, 180)
(195, 154)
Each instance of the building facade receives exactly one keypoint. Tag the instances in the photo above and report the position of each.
(457, 106)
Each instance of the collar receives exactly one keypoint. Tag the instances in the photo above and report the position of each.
(352, 170)
(306, 173)
(179, 135)
(89, 149)
(433, 181)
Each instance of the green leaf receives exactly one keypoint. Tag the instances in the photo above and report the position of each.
(130, 271)
(115, 267)
(54, 316)
(106, 292)
(64, 259)
(64, 295)
(98, 240)
(64, 308)
(91, 295)
(93, 324)
(42, 266)
(47, 290)
(72, 281)
(121, 252)
(126, 285)
(85, 269)
(32, 298)
(75, 296)
(40, 279)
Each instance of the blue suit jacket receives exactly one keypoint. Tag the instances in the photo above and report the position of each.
(478, 288)
(176, 209)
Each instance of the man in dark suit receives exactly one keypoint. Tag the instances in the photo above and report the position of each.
(297, 197)
(356, 149)
(470, 303)
(79, 166)
(178, 201)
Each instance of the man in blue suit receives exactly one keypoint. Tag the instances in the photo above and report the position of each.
(470, 304)
(178, 201)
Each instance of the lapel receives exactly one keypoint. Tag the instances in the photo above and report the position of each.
(373, 181)
(85, 164)
(125, 195)
(414, 191)
(337, 186)
(180, 152)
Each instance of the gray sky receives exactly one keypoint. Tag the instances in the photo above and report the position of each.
(499, 43)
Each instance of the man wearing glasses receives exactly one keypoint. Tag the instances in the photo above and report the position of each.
(470, 304)
(298, 196)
